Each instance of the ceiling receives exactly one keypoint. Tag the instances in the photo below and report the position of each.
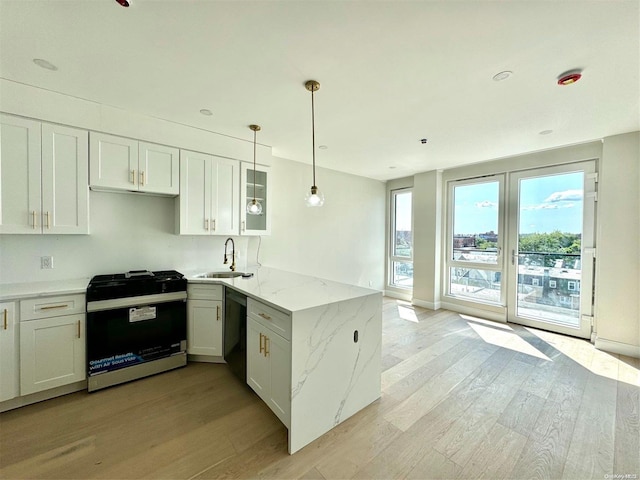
(391, 72)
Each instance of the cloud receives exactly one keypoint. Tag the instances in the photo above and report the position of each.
(549, 206)
(486, 204)
(565, 196)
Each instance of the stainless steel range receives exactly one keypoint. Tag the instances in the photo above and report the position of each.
(136, 326)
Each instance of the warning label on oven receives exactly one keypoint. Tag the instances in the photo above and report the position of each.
(142, 313)
(113, 362)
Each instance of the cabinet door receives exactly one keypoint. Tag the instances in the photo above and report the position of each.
(225, 197)
(255, 182)
(258, 368)
(52, 352)
(9, 359)
(204, 327)
(113, 162)
(20, 205)
(195, 194)
(279, 355)
(158, 168)
(65, 180)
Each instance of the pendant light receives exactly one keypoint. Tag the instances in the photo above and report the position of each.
(314, 197)
(254, 207)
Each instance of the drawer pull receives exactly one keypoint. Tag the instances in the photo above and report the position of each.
(261, 347)
(265, 316)
(53, 307)
(218, 312)
(5, 318)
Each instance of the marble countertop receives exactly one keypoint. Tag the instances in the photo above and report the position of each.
(16, 291)
(287, 291)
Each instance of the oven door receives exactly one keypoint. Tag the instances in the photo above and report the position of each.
(135, 330)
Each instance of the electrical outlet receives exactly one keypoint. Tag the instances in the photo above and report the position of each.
(46, 262)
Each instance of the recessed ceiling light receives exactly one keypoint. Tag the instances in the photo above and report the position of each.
(498, 77)
(423, 141)
(206, 112)
(392, 167)
(322, 147)
(546, 132)
(44, 64)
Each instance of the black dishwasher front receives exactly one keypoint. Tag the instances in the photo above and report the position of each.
(235, 333)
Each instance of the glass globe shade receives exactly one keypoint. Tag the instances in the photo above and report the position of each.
(314, 198)
(254, 207)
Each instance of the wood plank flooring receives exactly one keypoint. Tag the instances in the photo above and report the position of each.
(462, 398)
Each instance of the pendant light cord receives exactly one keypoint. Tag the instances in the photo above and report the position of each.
(313, 137)
(254, 167)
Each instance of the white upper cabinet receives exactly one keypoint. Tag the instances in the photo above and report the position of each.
(255, 182)
(208, 203)
(119, 163)
(43, 178)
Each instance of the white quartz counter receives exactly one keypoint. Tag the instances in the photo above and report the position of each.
(16, 291)
(288, 291)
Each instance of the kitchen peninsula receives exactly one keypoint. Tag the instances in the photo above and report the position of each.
(329, 332)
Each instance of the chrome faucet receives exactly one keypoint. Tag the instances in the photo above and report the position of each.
(233, 254)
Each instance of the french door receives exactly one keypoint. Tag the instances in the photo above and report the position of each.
(522, 243)
(551, 239)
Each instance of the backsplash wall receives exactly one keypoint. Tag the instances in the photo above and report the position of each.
(127, 232)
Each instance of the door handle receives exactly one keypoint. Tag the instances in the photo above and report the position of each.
(142, 178)
(79, 333)
(206, 224)
(261, 347)
(35, 219)
(132, 176)
(5, 319)
(513, 257)
(213, 223)
(243, 225)
(48, 219)
(266, 346)
(218, 312)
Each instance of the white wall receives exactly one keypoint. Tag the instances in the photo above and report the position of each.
(618, 249)
(343, 240)
(128, 232)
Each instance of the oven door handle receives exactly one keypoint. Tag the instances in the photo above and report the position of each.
(142, 300)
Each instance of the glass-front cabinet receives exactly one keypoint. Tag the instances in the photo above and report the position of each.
(255, 184)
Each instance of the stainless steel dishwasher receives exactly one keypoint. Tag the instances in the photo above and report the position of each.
(235, 332)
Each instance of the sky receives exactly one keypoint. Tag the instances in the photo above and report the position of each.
(546, 204)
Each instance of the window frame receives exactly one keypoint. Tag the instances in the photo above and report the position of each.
(392, 258)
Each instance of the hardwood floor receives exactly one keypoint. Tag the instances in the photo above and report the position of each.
(462, 398)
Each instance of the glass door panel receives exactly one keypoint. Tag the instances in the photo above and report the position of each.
(551, 225)
(401, 254)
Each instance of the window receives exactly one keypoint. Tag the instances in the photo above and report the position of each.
(535, 282)
(572, 286)
(401, 242)
(475, 239)
(552, 284)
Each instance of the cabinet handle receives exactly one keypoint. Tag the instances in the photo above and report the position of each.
(218, 312)
(206, 224)
(261, 347)
(52, 307)
(266, 346)
(213, 222)
(5, 318)
(132, 176)
(265, 316)
(79, 329)
(35, 219)
(48, 219)
(243, 225)
(142, 178)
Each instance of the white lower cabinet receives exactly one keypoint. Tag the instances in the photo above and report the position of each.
(269, 358)
(9, 353)
(52, 342)
(204, 320)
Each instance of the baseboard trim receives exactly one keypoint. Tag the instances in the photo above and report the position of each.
(620, 348)
(398, 295)
(475, 312)
(42, 396)
(424, 304)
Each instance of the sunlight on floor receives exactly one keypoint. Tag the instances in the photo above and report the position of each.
(505, 339)
(407, 313)
(486, 322)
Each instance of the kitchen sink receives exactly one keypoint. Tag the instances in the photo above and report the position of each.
(220, 275)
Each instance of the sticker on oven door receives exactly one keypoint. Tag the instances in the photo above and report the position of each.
(142, 313)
